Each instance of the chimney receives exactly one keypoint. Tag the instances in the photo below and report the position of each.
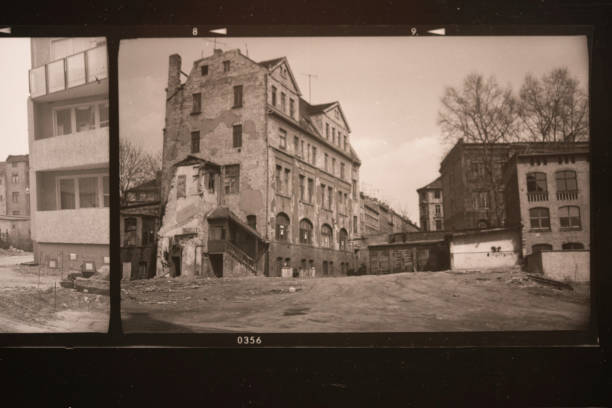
(218, 51)
(174, 75)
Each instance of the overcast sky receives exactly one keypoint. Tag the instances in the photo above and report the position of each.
(388, 87)
(14, 94)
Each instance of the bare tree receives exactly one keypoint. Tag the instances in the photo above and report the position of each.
(553, 108)
(135, 166)
(485, 113)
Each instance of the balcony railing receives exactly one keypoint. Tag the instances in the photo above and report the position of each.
(567, 195)
(78, 69)
(540, 196)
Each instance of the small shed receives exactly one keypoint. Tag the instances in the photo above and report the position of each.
(485, 248)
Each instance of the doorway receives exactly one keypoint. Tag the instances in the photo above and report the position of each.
(216, 261)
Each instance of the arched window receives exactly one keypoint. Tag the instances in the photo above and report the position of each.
(326, 236)
(539, 218)
(569, 217)
(566, 181)
(282, 227)
(572, 245)
(305, 231)
(342, 238)
(541, 247)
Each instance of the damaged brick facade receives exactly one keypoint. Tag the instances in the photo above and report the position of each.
(287, 180)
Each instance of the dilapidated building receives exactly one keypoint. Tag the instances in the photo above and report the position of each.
(255, 179)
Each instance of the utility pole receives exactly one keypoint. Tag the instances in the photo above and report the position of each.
(309, 77)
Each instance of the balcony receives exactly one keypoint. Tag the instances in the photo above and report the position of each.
(87, 67)
(66, 151)
(567, 195)
(537, 196)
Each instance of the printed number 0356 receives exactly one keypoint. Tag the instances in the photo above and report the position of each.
(248, 340)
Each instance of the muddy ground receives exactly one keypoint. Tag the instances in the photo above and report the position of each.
(406, 302)
(32, 301)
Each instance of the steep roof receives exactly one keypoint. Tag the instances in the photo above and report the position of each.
(320, 108)
(271, 63)
(436, 184)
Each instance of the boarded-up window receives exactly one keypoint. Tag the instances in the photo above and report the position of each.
(232, 179)
(180, 186)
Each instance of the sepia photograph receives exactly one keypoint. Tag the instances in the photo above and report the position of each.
(54, 185)
(348, 184)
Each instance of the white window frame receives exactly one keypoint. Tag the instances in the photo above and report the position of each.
(95, 104)
(77, 203)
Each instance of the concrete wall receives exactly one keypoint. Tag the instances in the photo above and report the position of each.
(475, 251)
(80, 226)
(60, 252)
(562, 265)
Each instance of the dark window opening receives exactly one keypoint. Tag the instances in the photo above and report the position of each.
(572, 245)
(232, 179)
(226, 66)
(252, 221)
(282, 227)
(195, 142)
(204, 70)
(237, 96)
(539, 218)
(536, 183)
(569, 217)
(305, 231)
(197, 103)
(237, 135)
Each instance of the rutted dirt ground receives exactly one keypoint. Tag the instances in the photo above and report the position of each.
(406, 302)
(33, 303)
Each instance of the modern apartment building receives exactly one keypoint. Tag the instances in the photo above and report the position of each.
(68, 141)
(255, 179)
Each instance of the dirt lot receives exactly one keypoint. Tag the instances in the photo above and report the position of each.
(407, 302)
(33, 303)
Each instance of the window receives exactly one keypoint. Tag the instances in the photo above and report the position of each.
(342, 238)
(181, 186)
(296, 145)
(333, 166)
(195, 142)
(539, 218)
(355, 229)
(302, 149)
(541, 247)
(569, 217)
(572, 245)
(232, 179)
(330, 197)
(340, 200)
(477, 169)
(292, 108)
(327, 131)
(326, 236)
(333, 135)
(85, 119)
(204, 70)
(566, 181)
(325, 269)
(237, 96)
(103, 114)
(283, 102)
(437, 194)
(105, 191)
(325, 162)
(130, 224)
(287, 185)
(88, 192)
(314, 155)
(282, 227)
(438, 210)
(282, 134)
(15, 196)
(67, 196)
(252, 221)
(63, 121)
(438, 225)
(536, 183)
(302, 187)
(15, 178)
(148, 231)
(197, 103)
(237, 135)
(279, 181)
(322, 190)
(67, 120)
(211, 181)
(305, 231)
(354, 189)
(341, 170)
(345, 144)
(273, 96)
(480, 200)
(226, 66)
(310, 189)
